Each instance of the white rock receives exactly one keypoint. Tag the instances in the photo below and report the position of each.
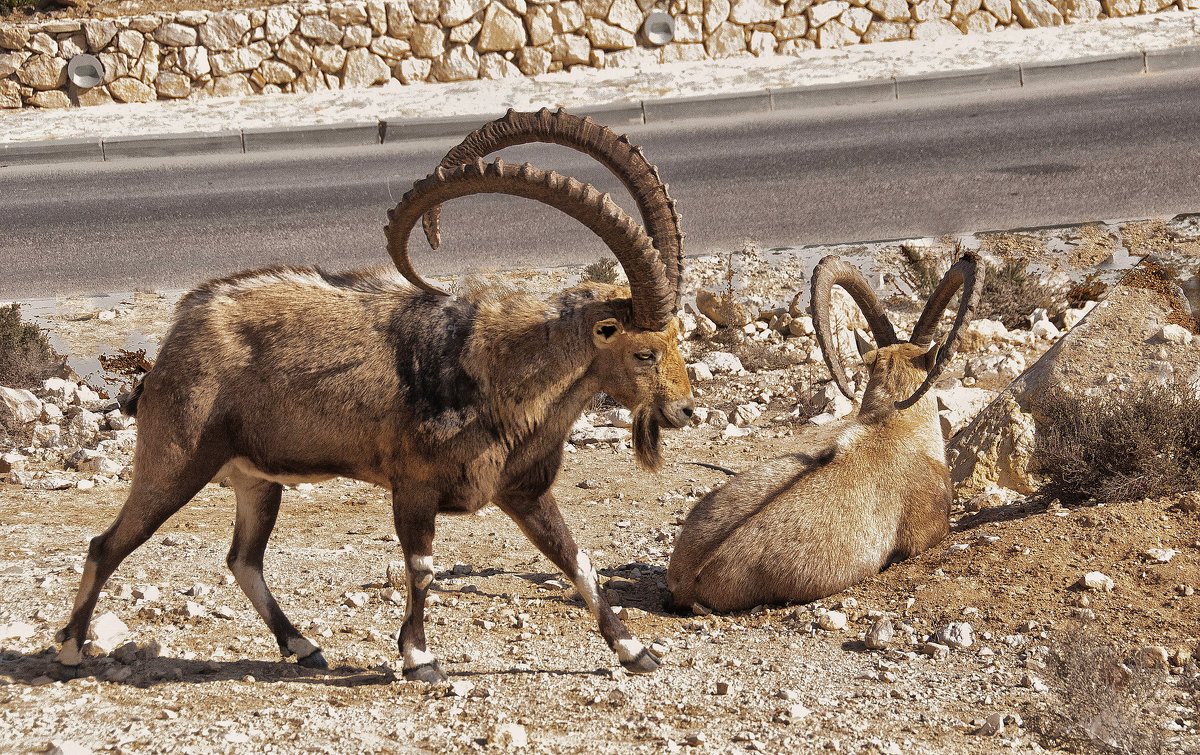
(717, 418)
(832, 621)
(1098, 581)
(461, 688)
(746, 414)
(60, 391)
(1045, 330)
(992, 726)
(957, 634)
(509, 736)
(67, 747)
(620, 418)
(107, 632)
(1071, 317)
(723, 363)
(880, 635)
(149, 593)
(699, 372)
(1160, 555)
(18, 630)
(193, 610)
(357, 599)
(607, 435)
(19, 406)
(1005, 366)
(1176, 334)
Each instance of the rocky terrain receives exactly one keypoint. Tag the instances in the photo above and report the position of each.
(1033, 627)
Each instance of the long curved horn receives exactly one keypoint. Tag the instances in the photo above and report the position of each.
(834, 271)
(967, 275)
(653, 299)
(626, 161)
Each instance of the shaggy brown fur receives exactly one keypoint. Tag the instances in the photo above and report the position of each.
(871, 489)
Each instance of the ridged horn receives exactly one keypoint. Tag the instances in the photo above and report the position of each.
(613, 150)
(967, 275)
(653, 299)
(834, 271)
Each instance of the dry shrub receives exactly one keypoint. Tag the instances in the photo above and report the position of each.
(1091, 288)
(921, 274)
(1011, 293)
(26, 357)
(754, 355)
(8, 6)
(1107, 703)
(603, 270)
(1118, 447)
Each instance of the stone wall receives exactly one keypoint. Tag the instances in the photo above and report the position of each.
(359, 43)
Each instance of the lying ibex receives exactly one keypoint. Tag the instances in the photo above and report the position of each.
(867, 490)
(282, 375)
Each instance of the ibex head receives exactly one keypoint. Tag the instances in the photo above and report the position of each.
(634, 330)
(900, 372)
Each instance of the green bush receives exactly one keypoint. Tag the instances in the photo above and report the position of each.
(26, 357)
(1118, 447)
(1011, 293)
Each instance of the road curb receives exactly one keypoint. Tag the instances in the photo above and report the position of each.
(260, 140)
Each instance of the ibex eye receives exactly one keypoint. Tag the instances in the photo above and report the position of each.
(644, 355)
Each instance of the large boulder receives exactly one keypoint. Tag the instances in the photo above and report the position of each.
(18, 406)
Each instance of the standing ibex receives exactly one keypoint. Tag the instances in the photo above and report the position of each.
(865, 491)
(286, 374)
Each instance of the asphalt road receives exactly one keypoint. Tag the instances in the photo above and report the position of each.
(1123, 148)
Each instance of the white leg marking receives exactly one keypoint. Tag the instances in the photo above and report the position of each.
(301, 647)
(586, 581)
(627, 650)
(253, 585)
(414, 657)
(70, 654)
(425, 581)
(423, 566)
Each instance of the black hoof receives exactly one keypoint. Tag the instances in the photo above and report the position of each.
(645, 662)
(427, 672)
(313, 660)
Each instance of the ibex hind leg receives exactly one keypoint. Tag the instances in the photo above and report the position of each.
(415, 527)
(151, 501)
(257, 508)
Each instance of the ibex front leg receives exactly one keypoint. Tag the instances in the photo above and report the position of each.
(542, 523)
(414, 518)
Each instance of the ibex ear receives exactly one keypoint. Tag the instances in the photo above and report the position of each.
(605, 332)
(862, 342)
(869, 358)
(929, 358)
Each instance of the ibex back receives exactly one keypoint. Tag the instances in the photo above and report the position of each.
(865, 491)
(283, 375)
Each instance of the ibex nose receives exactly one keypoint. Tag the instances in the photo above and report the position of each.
(679, 413)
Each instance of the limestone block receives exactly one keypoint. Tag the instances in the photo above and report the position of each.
(53, 99)
(605, 36)
(10, 62)
(172, 85)
(94, 96)
(348, 13)
(310, 81)
(533, 60)
(43, 72)
(459, 63)
(241, 59)
(1036, 13)
(280, 22)
(413, 70)
(148, 62)
(1154, 6)
(425, 11)
(571, 49)
(1118, 8)
(320, 30)
(43, 43)
(857, 20)
(836, 34)
(677, 52)
(194, 62)
(1082, 11)
(801, 46)
(99, 33)
(144, 24)
(502, 30)
(1001, 9)
(494, 66)
(596, 8)
(934, 29)
(234, 85)
(13, 37)
(400, 19)
(755, 11)
(275, 72)
(191, 17)
(224, 31)
(727, 40)
(116, 65)
(979, 22)
(297, 53)
(329, 58)
(689, 29)
(890, 10)
(356, 36)
(627, 15)
(455, 12)
(175, 35)
(540, 24)
(428, 41)
(963, 8)
(927, 10)
(716, 12)
(464, 33)
(377, 17)
(390, 49)
(364, 68)
(568, 17)
(130, 42)
(70, 45)
(792, 27)
(129, 89)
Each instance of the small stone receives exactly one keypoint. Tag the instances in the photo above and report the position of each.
(880, 635)
(1097, 581)
(722, 362)
(1032, 682)
(957, 635)
(397, 575)
(193, 610)
(19, 630)
(149, 593)
(832, 621)
(1176, 334)
(992, 726)
(67, 747)
(1153, 656)
(357, 599)
(695, 740)
(797, 712)
(107, 632)
(620, 418)
(935, 649)
(509, 736)
(461, 688)
(1160, 555)
(588, 484)
(198, 590)
(722, 688)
